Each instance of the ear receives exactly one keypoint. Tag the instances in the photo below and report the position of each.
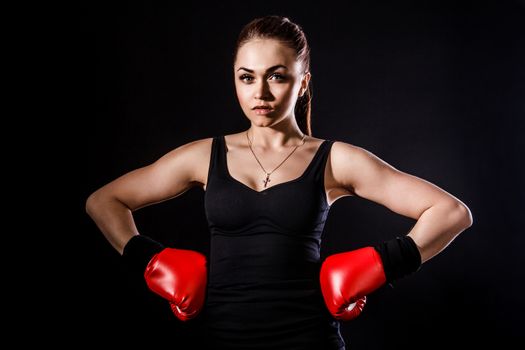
(304, 83)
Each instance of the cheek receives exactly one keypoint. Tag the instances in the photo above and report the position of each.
(284, 91)
(241, 92)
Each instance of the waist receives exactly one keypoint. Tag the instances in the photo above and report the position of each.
(296, 290)
(262, 258)
(230, 274)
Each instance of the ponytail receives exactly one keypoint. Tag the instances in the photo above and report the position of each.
(303, 111)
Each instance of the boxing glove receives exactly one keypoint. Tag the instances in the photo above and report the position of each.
(346, 279)
(179, 276)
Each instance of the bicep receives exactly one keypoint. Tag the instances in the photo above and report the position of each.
(166, 178)
(370, 177)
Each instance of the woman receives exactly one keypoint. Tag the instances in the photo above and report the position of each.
(268, 193)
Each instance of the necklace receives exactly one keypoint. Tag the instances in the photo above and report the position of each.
(271, 172)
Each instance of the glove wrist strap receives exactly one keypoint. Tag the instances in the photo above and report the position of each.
(138, 252)
(400, 257)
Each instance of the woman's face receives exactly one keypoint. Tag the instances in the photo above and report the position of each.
(268, 81)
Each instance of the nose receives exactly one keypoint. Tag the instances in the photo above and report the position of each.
(262, 91)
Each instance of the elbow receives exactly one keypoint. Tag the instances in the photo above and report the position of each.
(92, 203)
(464, 215)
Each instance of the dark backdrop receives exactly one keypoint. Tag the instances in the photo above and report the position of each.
(435, 89)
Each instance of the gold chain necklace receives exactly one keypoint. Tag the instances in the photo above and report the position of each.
(257, 159)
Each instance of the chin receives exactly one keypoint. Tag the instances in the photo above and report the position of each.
(264, 120)
(262, 123)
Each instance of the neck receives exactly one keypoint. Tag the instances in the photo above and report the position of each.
(275, 137)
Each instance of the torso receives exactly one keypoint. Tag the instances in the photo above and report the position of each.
(244, 168)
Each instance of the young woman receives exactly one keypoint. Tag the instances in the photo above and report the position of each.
(268, 191)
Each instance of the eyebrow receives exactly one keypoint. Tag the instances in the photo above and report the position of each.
(268, 70)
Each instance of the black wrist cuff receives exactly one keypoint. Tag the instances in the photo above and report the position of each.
(138, 252)
(400, 257)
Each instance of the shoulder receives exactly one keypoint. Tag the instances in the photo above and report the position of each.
(195, 149)
(343, 152)
(189, 158)
(350, 163)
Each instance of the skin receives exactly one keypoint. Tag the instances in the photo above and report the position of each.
(350, 170)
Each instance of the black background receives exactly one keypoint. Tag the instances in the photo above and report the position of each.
(436, 89)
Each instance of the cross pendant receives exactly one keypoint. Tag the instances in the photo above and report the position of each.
(267, 180)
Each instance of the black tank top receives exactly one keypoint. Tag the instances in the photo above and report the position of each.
(263, 284)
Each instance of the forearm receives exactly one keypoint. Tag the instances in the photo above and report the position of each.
(113, 218)
(437, 227)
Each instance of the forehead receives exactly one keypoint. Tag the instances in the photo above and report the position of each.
(259, 54)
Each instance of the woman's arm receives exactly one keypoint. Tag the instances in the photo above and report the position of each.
(112, 205)
(440, 216)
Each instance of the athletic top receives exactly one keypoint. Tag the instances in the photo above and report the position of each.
(263, 285)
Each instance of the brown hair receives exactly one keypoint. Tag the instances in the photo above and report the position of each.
(282, 29)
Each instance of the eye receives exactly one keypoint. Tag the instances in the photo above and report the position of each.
(246, 78)
(277, 76)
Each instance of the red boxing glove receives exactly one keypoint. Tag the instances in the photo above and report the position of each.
(346, 279)
(179, 276)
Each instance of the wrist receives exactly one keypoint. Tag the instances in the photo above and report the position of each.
(138, 252)
(400, 257)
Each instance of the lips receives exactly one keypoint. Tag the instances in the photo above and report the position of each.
(262, 110)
